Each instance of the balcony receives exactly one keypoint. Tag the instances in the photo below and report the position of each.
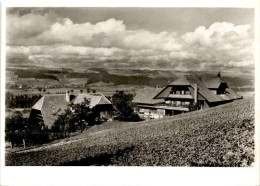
(168, 107)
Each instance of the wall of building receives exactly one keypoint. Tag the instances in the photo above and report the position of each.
(149, 113)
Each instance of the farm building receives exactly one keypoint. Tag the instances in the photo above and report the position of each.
(186, 94)
(48, 108)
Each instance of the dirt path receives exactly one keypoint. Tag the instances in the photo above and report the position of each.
(47, 146)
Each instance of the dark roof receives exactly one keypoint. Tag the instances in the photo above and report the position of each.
(212, 83)
(180, 81)
(203, 88)
(163, 93)
(54, 104)
(146, 96)
(96, 99)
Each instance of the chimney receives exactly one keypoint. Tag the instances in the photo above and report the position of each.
(67, 96)
(195, 94)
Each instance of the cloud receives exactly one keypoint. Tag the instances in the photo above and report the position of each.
(21, 28)
(44, 37)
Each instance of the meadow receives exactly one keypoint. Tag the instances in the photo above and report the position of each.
(222, 136)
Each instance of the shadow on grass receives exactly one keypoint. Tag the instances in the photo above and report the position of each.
(104, 159)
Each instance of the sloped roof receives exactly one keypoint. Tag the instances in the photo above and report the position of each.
(163, 93)
(203, 90)
(95, 99)
(191, 89)
(38, 104)
(180, 81)
(232, 94)
(153, 96)
(146, 96)
(54, 104)
(213, 83)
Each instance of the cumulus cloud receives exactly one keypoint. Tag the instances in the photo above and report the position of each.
(41, 37)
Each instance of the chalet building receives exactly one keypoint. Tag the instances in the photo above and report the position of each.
(49, 107)
(186, 94)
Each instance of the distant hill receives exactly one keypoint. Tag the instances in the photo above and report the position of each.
(122, 77)
(219, 136)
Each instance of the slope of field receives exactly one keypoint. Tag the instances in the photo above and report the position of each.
(220, 136)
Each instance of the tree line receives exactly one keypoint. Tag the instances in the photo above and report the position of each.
(21, 101)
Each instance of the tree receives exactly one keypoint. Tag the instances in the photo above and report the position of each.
(20, 130)
(40, 89)
(71, 90)
(88, 90)
(123, 102)
(16, 130)
(76, 117)
(94, 91)
(83, 115)
(63, 125)
(44, 90)
(81, 91)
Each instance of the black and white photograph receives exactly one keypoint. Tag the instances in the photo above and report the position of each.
(129, 87)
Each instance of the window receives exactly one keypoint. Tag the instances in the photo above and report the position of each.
(183, 92)
(187, 103)
(177, 92)
(187, 92)
(178, 103)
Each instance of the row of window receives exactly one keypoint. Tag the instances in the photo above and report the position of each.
(177, 103)
(184, 92)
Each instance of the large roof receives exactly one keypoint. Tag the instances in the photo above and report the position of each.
(180, 81)
(203, 90)
(94, 99)
(212, 83)
(146, 96)
(52, 105)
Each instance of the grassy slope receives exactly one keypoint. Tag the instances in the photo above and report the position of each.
(220, 136)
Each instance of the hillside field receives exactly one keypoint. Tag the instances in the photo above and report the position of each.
(221, 136)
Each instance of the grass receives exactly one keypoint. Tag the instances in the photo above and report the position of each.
(220, 136)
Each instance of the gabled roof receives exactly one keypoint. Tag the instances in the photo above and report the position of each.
(50, 108)
(212, 83)
(180, 81)
(163, 93)
(54, 104)
(203, 89)
(146, 96)
(96, 99)
(38, 104)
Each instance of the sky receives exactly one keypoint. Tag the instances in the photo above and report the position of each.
(210, 39)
